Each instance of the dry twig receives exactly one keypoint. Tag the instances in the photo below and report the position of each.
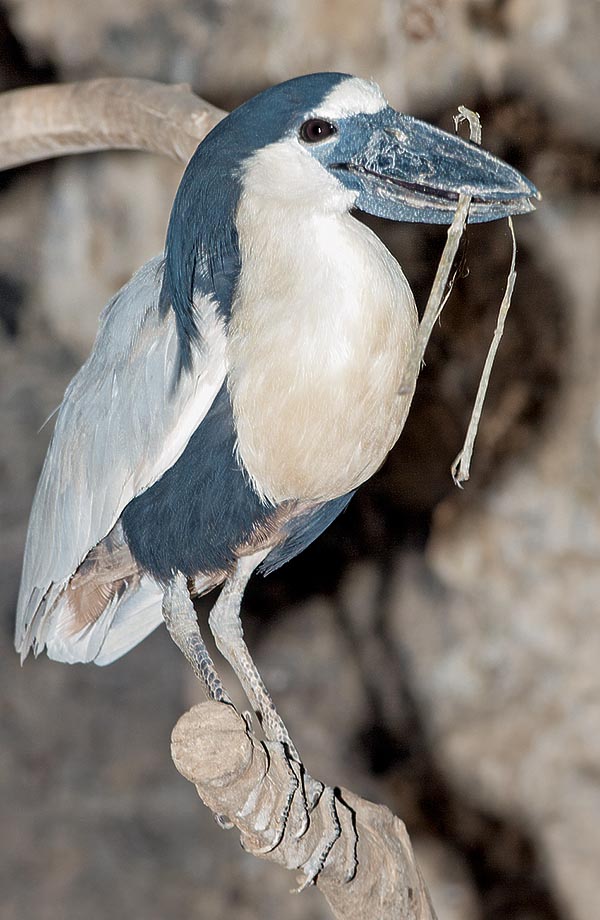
(439, 290)
(437, 297)
(462, 464)
(436, 302)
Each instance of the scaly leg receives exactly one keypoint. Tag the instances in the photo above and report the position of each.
(180, 619)
(226, 627)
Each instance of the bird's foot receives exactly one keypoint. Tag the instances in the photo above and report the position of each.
(300, 817)
(265, 792)
(315, 863)
(270, 813)
(336, 824)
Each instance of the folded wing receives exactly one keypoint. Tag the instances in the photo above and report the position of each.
(124, 420)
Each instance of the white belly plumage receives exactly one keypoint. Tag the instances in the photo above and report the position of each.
(321, 327)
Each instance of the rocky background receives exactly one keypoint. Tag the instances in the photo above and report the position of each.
(436, 650)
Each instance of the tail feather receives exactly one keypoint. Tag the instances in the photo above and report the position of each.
(106, 608)
(137, 616)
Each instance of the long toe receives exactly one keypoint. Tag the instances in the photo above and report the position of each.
(269, 822)
(315, 863)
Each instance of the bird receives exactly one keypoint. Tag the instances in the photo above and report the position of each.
(245, 382)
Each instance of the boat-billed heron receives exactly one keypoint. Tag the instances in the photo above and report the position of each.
(244, 383)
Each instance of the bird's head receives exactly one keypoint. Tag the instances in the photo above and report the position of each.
(329, 142)
(333, 142)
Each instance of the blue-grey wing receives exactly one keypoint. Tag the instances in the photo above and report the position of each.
(124, 420)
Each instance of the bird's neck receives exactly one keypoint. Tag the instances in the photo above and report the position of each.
(201, 252)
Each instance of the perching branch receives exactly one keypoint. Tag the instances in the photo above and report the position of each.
(49, 121)
(247, 781)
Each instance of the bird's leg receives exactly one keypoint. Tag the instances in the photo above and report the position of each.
(226, 627)
(225, 623)
(180, 619)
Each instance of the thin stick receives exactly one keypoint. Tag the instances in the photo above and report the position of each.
(465, 114)
(437, 298)
(461, 466)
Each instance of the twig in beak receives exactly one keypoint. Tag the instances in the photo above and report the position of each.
(437, 298)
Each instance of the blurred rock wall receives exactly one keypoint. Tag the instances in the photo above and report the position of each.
(436, 650)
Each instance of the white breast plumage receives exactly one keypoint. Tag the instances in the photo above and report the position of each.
(322, 323)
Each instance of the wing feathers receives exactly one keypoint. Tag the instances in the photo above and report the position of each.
(122, 423)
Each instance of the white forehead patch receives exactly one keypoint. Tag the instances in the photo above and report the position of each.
(350, 97)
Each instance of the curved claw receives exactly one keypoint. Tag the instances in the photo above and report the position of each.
(311, 791)
(314, 789)
(247, 717)
(302, 819)
(224, 823)
(313, 866)
(264, 850)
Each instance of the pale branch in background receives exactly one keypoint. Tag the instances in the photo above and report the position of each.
(108, 114)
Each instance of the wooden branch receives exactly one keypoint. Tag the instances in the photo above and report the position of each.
(247, 780)
(49, 121)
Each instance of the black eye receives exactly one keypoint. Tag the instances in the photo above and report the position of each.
(316, 129)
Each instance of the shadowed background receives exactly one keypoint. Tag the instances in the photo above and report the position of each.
(435, 650)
